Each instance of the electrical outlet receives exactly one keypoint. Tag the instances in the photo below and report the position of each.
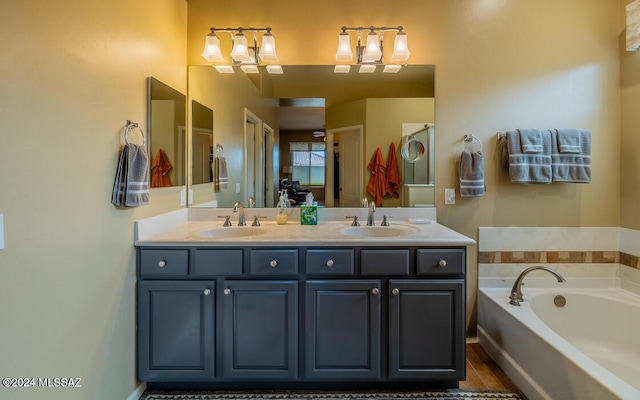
(238, 187)
(190, 198)
(449, 196)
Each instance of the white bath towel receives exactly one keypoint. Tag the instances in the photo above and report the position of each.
(131, 184)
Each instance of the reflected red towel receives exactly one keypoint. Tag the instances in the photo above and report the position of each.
(377, 185)
(159, 169)
(393, 174)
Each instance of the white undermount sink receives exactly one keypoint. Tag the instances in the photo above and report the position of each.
(232, 232)
(377, 231)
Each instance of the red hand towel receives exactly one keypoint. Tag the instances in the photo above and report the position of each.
(160, 168)
(377, 185)
(393, 174)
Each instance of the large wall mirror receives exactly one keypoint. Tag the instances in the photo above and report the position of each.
(167, 134)
(312, 129)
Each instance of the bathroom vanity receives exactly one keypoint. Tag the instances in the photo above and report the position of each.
(301, 306)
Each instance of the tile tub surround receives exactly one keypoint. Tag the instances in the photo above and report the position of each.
(553, 245)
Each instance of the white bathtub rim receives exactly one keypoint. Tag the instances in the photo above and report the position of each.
(526, 315)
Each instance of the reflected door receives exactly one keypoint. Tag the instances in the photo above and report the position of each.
(350, 169)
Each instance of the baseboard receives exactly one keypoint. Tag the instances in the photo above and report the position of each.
(138, 391)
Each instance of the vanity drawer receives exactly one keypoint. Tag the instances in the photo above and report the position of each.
(164, 262)
(274, 262)
(330, 262)
(384, 262)
(440, 261)
(218, 262)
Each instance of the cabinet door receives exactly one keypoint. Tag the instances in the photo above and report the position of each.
(343, 329)
(260, 330)
(426, 329)
(175, 330)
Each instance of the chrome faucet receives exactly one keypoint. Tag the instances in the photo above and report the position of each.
(372, 209)
(516, 291)
(239, 208)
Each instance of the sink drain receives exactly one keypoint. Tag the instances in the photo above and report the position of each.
(559, 301)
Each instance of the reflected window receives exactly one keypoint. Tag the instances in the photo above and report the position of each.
(308, 161)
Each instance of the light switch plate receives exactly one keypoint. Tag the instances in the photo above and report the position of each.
(1, 232)
(238, 187)
(183, 198)
(190, 196)
(449, 196)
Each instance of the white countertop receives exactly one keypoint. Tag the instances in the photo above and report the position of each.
(184, 228)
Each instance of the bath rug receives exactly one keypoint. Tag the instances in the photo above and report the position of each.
(452, 394)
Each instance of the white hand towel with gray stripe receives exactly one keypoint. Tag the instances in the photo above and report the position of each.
(472, 174)
(131, 184)
(220, 174)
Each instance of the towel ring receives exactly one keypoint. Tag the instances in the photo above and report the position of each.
(131, 126)
(470, 138)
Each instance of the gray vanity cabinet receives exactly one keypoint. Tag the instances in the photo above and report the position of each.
(426, 329)
(176, 330)
(342, 329)
(308, 316)
(260, 330)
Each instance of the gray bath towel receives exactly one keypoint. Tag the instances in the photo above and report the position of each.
(531, 140)
(220, 173)
(571, 167)
(529, 167)
(471, 174)
(568, 140)
(131, 184)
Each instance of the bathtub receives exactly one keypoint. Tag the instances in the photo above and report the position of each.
(587, 349)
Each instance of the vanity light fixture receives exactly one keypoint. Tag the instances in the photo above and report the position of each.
(372, 52)
(245, 53)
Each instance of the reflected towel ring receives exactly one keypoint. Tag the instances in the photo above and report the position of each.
(470, 138)
(131, 126)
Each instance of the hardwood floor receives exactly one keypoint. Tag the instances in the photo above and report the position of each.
(482, 372)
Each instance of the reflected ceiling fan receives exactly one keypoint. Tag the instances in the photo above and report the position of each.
(319, 133)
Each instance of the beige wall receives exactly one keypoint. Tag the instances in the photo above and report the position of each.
(629, 135)
(499, 65)
(71, 74)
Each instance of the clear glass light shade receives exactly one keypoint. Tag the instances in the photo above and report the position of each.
(212, 52)
(372, 51)
(400, 48)
(268, 49)
(240, 51)
(344, 52)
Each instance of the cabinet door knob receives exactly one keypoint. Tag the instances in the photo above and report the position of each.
(207, 291)
(227, 291)
(162, 263)
(273, 263)
(329, 263)
(375, 291)
(395, 291)
(442, 263)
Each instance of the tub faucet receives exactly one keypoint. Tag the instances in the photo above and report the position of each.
(372, 209)
(516, 291)
(239, 208)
